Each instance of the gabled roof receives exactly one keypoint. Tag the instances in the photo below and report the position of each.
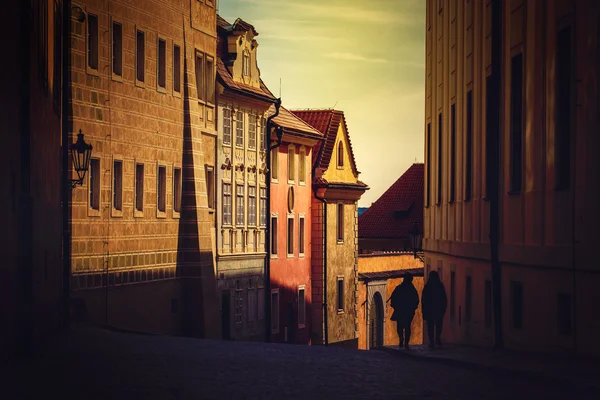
(224, 76)
(395, 212)
(328, 123)
(238, 25)
(293, 124)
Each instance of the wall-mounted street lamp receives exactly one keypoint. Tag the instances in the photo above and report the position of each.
(416, 237)
(81, 153)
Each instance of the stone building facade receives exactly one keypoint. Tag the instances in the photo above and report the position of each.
(142, 230)
(516, 257)
(243, 101)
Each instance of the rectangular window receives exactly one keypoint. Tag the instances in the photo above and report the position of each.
(177, 189)
(252, 131)
(428, 162)
(452, 152)
(452, 294)
(199, 69)
(468, 299)
(227, 204)
(118, 185)
(469, 147)
(301, 235)
(275, 164)
(226, 126)
(488, 303)
(140, 54)
(239, 204)
(290, 236)
(340, 294)
(562, 144)
(301, 307)
(275, 311)
(340, 222)
(263, 134)
(251, 304)
(246, 64)
(274, 243)
(291, 164)
(263, 206)
(139, 187)
(251, 205)
(302, 167)
(210, 186)
(261, 303)
(239, 304)
(439, 161)
(516, 297)
(162, 64)
(516, 123)
(176, 68)
(490, 139)
(210, 79)
(94, 184)
(564, 313)
(117, 49)
(92, 36)
(239, 129)
(161, 188)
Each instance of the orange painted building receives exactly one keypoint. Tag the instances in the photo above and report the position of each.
(290, 200)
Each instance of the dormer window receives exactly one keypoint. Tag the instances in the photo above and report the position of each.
(246, 64)
(340, 155)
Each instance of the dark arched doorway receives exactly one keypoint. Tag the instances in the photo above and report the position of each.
(376, 322)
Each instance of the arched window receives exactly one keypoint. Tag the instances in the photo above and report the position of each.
(340, 155)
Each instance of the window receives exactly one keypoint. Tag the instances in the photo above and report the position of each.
(210, 79)
(92, 36)
(263, 135)
(452, 152)
(301, 307)
(562, 143)
(177, 189)
(251, 302)
(340, 222)
(239, 129)
(564, 313)
(118, 185)
(291, 163)
(139, 187)
(275, 311)
(117, 49)
(301, 235)
(290, 236)
(340, 155)
(340, 293)
(516, 297)
(468, 299)
(200, 89)
(274, 243)
(263, 206)
(469, 147)
(227, 204)
(516, 123)
(210, 186)
(246, 64)
(161, 188)
(275, 164)
(162, 64)
(251, 205)
(176, 68)
(140, 54)
(452, 295)
(239, 204)
(302, 166)
(239, 305)
(226, 126)
(428, 162)
(439, 161)
(252, 131)
(94, 184)
(488, 303)
(261, 303)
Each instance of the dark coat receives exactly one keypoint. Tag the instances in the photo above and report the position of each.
(434, 300)
(404, 301)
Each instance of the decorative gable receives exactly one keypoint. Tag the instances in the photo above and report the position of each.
(341, 165)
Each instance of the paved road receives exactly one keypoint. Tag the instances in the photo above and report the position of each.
(97, 364)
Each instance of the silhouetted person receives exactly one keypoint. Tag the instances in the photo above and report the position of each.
(405, 301)
(434, 307)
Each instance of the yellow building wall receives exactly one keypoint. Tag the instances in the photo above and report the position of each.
(335, 173)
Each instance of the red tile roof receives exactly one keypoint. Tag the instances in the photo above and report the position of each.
(395, 212)
(226, 79)
(238, 25)
(328, 122)
(287, 120)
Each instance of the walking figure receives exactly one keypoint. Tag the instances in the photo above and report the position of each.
(434, 305)
(405, 301)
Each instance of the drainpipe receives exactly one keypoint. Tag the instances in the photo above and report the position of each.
(322, 200)
(267, 268)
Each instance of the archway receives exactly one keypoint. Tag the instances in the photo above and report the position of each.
(376, 321)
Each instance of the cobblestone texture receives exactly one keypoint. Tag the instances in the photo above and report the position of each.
(96, 364)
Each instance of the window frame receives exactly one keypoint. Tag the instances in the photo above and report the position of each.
(274, 231)
(302, 306)
(209, 176)
(227, 110)
(116, 76)
(227, 217)
(275, 311)
(95, 187)
(290, 235)
(177, 69)
(251, 133)
(240, 204)
(140, 58)
(209, 79)
(291, 164)
(275, 165)
(177, 190)
(159, 59)
(138, 193)
(117, 187)
(301, 235)
(199, 75)
(239, 128)
(263, 211)
(302, 166)
(161, 190)
(340, 223)
(340, 155)
(340, 294)
(516, 125)
(91, 69)
(251, 217)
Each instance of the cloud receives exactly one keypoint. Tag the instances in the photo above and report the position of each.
(356, 57)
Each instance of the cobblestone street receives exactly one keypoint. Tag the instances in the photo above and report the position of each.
(92, 363)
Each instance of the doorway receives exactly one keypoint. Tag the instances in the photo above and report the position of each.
(376, 322)
(226, 315)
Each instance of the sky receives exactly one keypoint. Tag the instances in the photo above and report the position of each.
(363, 57)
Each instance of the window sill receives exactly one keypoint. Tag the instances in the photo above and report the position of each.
(301, 255)
(274, 180)
(91, 71)
(339, 312)
(301, 183)
(450, 201)
(138, 214)
(140, 84)
(211, 210)
(274, 257)
(161, 214)
(116, 213)
(176, 94)
(117, 78)
(93, 213)
(291, 182)
(291, 256)
(161, 89)
(176, 215)
(340, 241)
(339, 167)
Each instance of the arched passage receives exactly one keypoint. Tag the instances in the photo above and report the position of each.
(376, 316)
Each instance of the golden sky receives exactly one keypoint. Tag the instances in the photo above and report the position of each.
(364, 57)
